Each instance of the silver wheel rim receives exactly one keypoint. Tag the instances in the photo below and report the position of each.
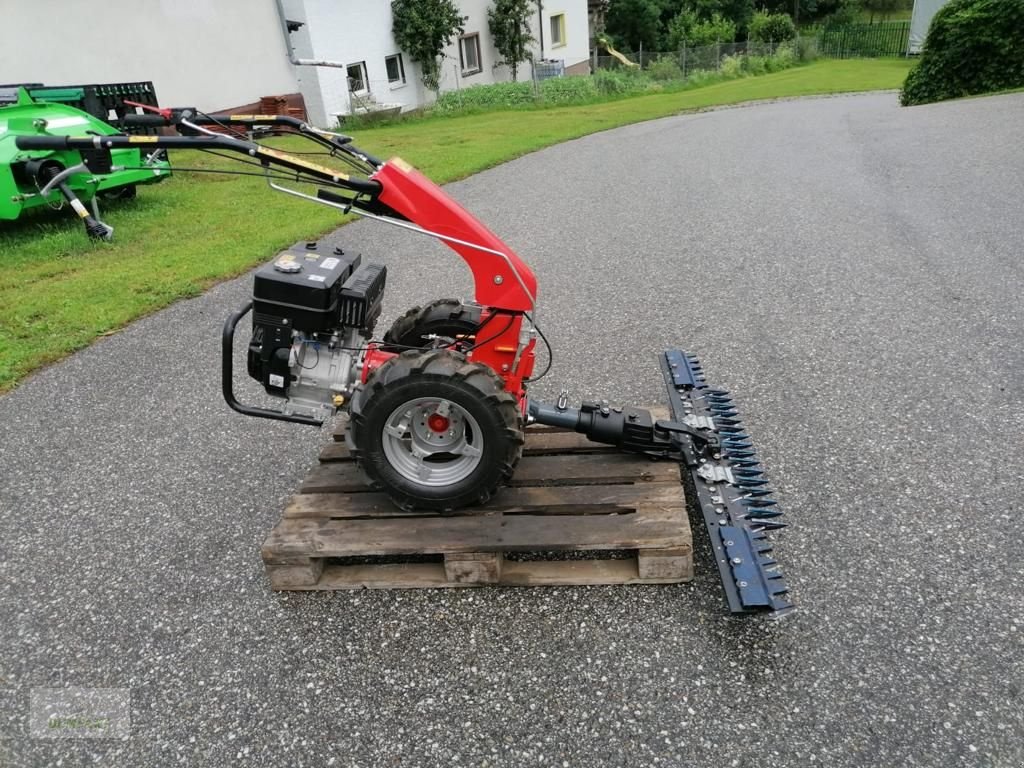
(426, 456)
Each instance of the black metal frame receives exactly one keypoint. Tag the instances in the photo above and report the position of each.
(227, 376)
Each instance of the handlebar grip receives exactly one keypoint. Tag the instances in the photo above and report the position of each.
(41, 142)
(149, 121)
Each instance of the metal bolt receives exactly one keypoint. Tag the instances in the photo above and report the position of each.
(742, 583)
(504, 367)
(723, 521)
(498, 280)
(737, 560)
(729, 543)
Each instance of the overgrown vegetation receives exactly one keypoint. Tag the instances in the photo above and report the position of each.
(687, 28)
(973, 46)
(59, 291)
(424, 28)
(509, 24)
(662, 75)
(666, 25)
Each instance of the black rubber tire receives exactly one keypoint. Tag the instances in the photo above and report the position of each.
(437, 373)
(444, 317)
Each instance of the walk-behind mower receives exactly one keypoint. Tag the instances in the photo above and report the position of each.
(438, 405)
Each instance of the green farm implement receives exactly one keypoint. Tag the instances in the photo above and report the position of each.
(30, 179)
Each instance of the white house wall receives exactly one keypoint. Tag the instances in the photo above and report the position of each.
(349, 31)
(211, 55)
(576, 48)
(452, 78)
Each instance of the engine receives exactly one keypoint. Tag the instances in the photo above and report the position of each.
(313, 313)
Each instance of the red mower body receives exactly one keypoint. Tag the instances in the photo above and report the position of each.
(505, 286)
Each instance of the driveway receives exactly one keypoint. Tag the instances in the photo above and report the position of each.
(850, 270)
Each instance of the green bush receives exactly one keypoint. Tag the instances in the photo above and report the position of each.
(785, 56)
(608, 83)
(485, 97)
(973, 46)
(664, 69)
(806, 48)
(618, 82)
(757, 65)
(703, 77)
(689, 30)
(567, 90)
(732, 66)
(771, 27)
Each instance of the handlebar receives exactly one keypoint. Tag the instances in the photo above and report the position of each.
(264, 155)
(42, 142)
(149, 121)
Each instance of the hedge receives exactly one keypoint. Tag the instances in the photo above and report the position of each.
(973, 46)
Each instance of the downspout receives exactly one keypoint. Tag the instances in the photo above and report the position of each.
(283, 19)
(540, 25)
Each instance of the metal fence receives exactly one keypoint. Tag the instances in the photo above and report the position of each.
(688, 59)
(847, 41)
(838, 41)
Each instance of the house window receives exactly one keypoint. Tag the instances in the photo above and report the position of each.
(469, 54)
(357, 77)
(396, 69)
(558, 30)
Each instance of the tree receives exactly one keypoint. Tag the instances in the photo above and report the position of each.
(635, 24)
(884, 7)
(771, 27)
(509, 22)
(686, 28)
(425, 28)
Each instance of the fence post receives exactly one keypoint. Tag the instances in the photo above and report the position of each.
(684, 58)
(718, 54)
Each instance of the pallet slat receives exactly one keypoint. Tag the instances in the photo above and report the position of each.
(655, 523)
(533, 470)
(533, 574)
(569, 495)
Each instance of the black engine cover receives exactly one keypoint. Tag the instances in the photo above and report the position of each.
(302, 286)
(311, 292)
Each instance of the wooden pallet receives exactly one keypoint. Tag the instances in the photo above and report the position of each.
(575, 513)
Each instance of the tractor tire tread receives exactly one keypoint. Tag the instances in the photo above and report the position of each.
(439, 313)
(441, 365)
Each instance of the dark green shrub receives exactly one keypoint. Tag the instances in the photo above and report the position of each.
(688, 29)
(806, 48)
(618, 82)
(567, 90)
(485, 97)
(664, 69)
(973, 46)
(771, 27)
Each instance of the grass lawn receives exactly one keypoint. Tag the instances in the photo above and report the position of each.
(59, 291)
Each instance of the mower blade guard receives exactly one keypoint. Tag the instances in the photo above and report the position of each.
(729, 487)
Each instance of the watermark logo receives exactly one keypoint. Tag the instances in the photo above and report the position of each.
(80, 713)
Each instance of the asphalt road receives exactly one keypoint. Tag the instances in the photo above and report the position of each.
(849, 269)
